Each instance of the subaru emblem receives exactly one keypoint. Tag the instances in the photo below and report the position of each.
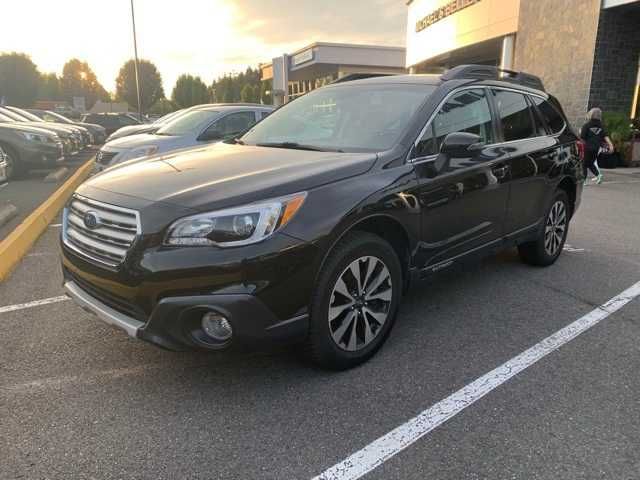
(91, 220)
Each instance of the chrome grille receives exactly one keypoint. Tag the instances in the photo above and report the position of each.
(108, 239)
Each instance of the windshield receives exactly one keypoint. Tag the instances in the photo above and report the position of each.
(166, 118)
(352, 118)
(28, 115)
(12, 115)
(58, 116)
(5, 119)
(189, 122)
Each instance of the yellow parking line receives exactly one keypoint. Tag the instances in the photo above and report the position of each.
(18, 242)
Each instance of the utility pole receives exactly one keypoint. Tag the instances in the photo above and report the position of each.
(135, 51)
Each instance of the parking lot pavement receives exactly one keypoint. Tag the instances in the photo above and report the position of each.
(28, 193)
(81, 400)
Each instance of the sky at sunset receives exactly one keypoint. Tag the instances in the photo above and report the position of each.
(200, 37)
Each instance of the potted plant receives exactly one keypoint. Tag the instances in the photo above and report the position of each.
(618, 125)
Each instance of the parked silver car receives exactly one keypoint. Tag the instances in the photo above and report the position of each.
(207, 124)
(144, 127)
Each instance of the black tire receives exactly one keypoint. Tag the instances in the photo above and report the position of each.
(15, 168)
(537, 252)
(372, 254)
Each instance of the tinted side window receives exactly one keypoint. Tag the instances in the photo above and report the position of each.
(515, 115)
(465, 111)
(537, 119)
(264, 114)
(550, 114)
(234, 123)
(126, 121)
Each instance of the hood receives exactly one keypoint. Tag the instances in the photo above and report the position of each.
(139, 140)
(133, 129)
(25, 127)
(224, 175)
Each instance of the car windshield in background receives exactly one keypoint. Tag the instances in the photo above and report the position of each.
(188, 122)
(345, 118)
(56, 116)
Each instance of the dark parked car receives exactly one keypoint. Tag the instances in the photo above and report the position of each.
(98, 133)
(311, 226)
(27, 147)
(82, 135)
(110, 121)
(71, 141)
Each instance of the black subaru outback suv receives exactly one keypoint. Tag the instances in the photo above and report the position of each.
(310, 226)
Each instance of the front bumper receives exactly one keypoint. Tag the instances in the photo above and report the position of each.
(42, 154)
(174, 323)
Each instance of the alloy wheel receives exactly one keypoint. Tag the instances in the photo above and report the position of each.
(360, 303)
(555, 228)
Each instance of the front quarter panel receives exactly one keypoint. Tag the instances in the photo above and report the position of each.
(332, 210)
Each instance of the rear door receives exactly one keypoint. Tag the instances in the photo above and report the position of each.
(531, 159)
(463, 200)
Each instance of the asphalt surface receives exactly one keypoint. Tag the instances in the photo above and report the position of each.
(79, 400)
(29, 192)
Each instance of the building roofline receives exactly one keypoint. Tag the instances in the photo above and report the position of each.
(339, 45)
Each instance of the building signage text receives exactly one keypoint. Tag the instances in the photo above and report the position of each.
(443, 12)
(302, 57)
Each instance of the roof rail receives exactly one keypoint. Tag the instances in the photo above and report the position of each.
(493, 73)
(360, 76)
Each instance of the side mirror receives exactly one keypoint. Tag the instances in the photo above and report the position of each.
(460, 144)
(211, 135)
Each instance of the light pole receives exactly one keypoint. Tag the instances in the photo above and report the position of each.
(135, 51)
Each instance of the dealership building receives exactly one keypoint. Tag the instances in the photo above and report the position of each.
(321, 63)
(587, 52)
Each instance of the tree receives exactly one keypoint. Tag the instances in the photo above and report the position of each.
(265, 92)
(49, 88)
(189, 91)
(162, 107)
(78, 80)
(247, 94)
(231, 87)
(19, 79)
(150, 84)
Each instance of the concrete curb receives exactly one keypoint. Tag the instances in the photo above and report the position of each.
(7, 212)
(56, 175)
(18, 242)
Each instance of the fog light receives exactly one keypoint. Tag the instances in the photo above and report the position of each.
(216, 326)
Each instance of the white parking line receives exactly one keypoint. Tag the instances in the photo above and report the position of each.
(35, 303)
(392, 443)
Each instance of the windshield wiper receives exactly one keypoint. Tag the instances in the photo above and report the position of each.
(234, 141)
(295, 146)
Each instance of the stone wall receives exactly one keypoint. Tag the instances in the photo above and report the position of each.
(556, 41)
(615, 69)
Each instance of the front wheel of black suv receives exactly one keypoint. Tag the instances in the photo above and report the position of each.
(355, 302)
(546, 249)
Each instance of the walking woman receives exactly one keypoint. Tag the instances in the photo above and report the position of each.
(595, 137)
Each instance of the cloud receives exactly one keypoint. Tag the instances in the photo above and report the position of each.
(305, 21)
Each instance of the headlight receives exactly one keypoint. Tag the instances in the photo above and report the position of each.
(235, 226)
(37, 137)
(139, 152)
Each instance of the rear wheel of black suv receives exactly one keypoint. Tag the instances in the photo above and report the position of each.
(546, 249)
(355, 302)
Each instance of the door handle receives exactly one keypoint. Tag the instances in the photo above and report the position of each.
(500, 172)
